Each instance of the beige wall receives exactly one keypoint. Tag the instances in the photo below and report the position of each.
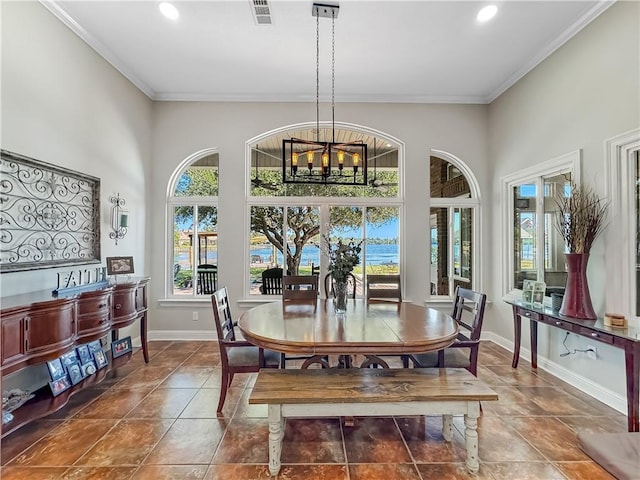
(183, 128)
(64, 104)
(586, 92)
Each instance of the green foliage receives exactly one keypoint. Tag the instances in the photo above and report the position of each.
(184, 279)
(343, 257)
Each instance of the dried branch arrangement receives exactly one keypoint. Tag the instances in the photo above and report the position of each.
(580, 217)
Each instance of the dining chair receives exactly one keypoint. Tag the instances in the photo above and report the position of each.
(351, 285)
(384, 288)
(387, 289)
(272, 281)
(236, 356)
(207, 279)
(468, 311)
(299, 287)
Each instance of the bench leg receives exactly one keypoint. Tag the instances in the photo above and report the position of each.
(471, 437)
(276, 434)
(447, 427)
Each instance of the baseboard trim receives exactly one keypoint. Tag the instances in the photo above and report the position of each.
(609, 397)
(168, 335)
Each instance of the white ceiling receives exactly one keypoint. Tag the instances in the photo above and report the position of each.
(386, 51)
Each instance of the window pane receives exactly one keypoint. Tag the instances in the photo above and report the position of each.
(266, 167)
(266, 243)
(382, 251)
(182, 250)
(555, 269)
(524, 230)
(303, 229)
(439, 220)
(200, 178)
(346, 224)
(462, 252)
(447, 181)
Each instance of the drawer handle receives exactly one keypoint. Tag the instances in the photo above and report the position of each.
(528, 314)
(118, 306)
(558, 323)
(595, 335)
(102, 305)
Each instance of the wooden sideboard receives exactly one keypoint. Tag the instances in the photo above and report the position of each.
(627, 339)
(37, 328)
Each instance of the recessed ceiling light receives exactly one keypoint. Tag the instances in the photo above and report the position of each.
(487, 13)
(169, 11)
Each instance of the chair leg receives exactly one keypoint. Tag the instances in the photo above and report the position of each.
(226, 381)
(283, 361)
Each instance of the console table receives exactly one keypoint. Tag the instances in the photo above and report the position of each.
(627, 339)
(37, 327)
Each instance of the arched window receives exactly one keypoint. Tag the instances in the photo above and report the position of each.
(453, 221)
(193, 216)
(286, 221)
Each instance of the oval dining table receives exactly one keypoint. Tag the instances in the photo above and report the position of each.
(312, 327)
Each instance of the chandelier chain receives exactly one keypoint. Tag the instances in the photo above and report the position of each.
(333, 76)
(317, 78)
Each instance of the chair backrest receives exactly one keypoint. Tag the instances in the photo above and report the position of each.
(468, 311)
(300, 287)
(222, 316)
(272, 281)
(351, 285)
(207, 279)
(384, 287)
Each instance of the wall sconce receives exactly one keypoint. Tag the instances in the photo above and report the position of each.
(119, 218)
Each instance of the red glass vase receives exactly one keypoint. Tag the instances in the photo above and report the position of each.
(577, 300)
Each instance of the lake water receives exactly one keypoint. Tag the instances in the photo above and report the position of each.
(376, 255)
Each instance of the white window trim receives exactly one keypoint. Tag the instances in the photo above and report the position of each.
(620, 252)
(451, 203)
(172, 202)
(570, 161)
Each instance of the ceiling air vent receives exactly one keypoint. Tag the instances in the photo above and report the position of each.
(261, 11)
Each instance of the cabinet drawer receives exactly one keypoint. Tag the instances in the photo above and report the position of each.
(523, 312)
(94, 303)
(93, 323)
(49, 329)
(601, 337)
(123, 305)
(13, 337)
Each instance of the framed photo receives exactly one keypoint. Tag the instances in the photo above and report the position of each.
(88, 368)
(84, 354)
(56, 370)
(527, 291)
(69, 358)
(60, 385)
(75, 373)
(119, 265)
(95, 346)
(100, 358)
(120, 347)
(539, 290)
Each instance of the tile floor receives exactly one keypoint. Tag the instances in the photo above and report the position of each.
(158, 421)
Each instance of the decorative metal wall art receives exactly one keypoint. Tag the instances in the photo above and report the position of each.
(49, 216)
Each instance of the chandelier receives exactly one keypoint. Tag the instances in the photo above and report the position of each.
(324, 162)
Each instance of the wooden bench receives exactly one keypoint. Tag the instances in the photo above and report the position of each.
(371, 392)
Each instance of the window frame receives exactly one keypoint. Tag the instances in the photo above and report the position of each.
(323, 203)
(174, 201)
(621, 283)
(566, 163)
(473, 202)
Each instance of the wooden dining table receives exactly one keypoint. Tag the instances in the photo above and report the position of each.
(312, 327)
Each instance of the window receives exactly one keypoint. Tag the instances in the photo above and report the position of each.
(287, 220)
(454, 208)
(623, 231)
(537, 249)
(193, 213)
